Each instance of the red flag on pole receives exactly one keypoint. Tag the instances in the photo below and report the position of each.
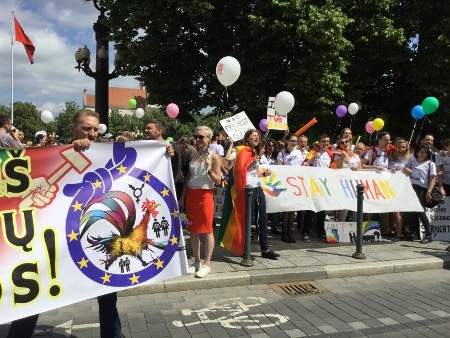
(23, 38)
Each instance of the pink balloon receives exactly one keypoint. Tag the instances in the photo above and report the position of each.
(369, 127)
(172, 110)
(341, 110)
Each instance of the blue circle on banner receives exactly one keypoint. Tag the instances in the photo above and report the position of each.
(86, 255)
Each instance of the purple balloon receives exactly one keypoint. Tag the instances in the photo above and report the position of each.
(263, 125)
(341, 110)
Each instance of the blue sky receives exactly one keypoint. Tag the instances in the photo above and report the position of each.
(57, 28)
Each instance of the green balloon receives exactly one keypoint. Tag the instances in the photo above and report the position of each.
(430, 105)
(132, 103)
(169, 138)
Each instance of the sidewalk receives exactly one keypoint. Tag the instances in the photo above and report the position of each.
(306, 262)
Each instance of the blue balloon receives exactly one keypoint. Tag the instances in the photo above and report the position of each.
(417, 112)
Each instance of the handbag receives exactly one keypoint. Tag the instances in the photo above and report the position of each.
(436, 195)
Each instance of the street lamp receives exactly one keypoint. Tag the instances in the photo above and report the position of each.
(101, 74)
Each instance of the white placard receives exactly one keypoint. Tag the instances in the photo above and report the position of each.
(236, 125)
(439, 218)
(345, 232)
(274, 120)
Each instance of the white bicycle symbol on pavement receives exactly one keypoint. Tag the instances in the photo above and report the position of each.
(235, 309)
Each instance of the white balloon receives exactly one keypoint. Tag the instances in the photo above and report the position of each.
(353, 108)
(284, 102)
(46, 116)
(228, 70)
(102, 128)
(139, 113)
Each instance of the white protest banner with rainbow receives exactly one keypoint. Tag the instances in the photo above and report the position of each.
(293, 188)
(76, 225)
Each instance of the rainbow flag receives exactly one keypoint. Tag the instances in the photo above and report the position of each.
(232, 224)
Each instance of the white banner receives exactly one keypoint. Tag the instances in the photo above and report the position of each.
(292, 188)
(76, 225)
(274, 120)
(236, 125)
(345, 232)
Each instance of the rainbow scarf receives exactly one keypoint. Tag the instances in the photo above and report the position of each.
(232, 224)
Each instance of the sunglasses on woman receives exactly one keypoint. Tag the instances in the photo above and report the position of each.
(344, 142)
(199, 137)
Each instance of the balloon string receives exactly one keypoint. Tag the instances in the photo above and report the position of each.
(414, 128)
(338, 123)
(351, 121)
(420, 131)
(267, 139)
(225, 93)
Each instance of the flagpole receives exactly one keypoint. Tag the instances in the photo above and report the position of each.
(12, 68)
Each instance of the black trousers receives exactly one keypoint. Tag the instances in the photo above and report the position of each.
(414, 217)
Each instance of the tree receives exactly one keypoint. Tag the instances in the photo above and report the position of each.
(64, 120)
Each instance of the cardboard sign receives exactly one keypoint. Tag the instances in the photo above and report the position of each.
(439, 218)
(274, 120)
(345, 232)
(219, 196)
(236, 125)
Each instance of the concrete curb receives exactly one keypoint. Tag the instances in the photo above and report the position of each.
(297, 274)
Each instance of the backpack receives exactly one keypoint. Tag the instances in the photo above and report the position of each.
(315, 149)
(388, 150)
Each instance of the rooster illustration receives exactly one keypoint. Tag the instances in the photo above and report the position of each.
(131, 240)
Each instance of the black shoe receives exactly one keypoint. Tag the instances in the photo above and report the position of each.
(285, 239)
(395, 239)
(275, 231)
(269, 254)
(291, 239)
(426, 239)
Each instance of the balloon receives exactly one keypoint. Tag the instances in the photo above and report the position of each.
(228, 70)
(341, 110)
(284, 102)
(46, 116)
(170, 138)
(263, 125)
(102, 128)
(132, 103)
(172, 110)
(417, 112)
(430, 105)
(378, 124)
(369, 127)
(353, 108)
(139, 113)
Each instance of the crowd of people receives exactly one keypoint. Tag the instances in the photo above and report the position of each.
(204, 160)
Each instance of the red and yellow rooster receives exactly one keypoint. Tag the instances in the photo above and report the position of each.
(130, 240)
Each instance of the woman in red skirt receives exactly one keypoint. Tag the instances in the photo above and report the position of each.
(197, 198)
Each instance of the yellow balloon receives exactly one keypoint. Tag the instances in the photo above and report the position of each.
(378, 124)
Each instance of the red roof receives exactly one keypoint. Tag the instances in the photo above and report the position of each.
(119, 97)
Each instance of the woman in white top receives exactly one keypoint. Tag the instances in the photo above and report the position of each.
(399, 156)
(422, 173)
(289, 156)
(197, 197)
(346, 159)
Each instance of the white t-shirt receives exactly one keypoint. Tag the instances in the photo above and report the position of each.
(397, 164)
(217, 148)
(323, 161)
(380, 160)
(252, 176)
(446, 164)
(267, 160)
(419, 172)
(295, 157)
(354, 160)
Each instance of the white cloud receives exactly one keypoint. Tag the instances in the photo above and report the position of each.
(57, 28)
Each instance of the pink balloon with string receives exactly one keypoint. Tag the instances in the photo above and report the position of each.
(172, 110)
(369, 127)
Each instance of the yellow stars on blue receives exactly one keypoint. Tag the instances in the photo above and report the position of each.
(174, 240)
(147, 177)
(165, 192)
(77, 206)
(159, 264)
(134, 279)
(106, 278)
(122, 169)
(83, 263)
(97, 184)
(175, 213)
(73, 236)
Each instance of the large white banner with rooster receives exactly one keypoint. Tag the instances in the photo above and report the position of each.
(75, 225)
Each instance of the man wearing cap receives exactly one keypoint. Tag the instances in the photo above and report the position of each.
(9, 136)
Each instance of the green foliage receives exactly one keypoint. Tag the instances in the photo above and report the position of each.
(64, 120)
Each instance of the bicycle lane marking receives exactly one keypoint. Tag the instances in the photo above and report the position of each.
(236, 309)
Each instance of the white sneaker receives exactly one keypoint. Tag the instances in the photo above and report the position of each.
(203, 271)
(193, 268)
